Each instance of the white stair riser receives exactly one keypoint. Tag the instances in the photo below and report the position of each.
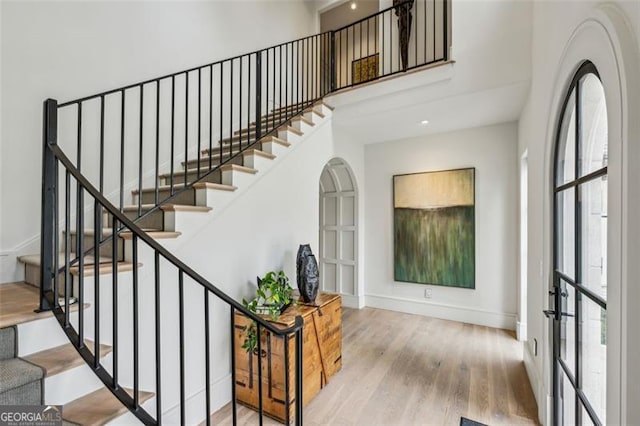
(258, 162)
(215, 198)
(72, 384)
(179, 220)
(39, 335)
(289, 136)
(274, 148)
(236, 178)
(301, 125)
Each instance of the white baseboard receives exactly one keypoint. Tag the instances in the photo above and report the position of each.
(521, 331)
(443, 311)
(543, 399)
(220, 396)
(351, 301)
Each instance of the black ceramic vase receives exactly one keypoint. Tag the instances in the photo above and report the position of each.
(308, 279)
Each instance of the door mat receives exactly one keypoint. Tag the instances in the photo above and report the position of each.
(467, 422)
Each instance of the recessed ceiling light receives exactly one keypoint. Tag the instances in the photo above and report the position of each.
(353, 5)
(424, 122)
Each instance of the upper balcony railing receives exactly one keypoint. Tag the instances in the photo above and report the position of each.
(100, 149)
(408, 35)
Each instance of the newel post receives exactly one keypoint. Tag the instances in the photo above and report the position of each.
(49, 183)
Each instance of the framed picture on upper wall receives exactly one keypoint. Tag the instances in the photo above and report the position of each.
(434, 228)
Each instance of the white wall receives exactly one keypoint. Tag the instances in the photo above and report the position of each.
(492, 151)
(564, 34)
(68, 49)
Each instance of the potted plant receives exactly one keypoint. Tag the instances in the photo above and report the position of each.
(274, 295)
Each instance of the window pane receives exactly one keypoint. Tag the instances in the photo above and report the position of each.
(568, 395)
(568, 327)
(593, 125)
(565, 228)
(593, 216)
(593, 355)
(566, 160)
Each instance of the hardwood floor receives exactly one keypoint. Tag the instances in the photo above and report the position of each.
(402, 369)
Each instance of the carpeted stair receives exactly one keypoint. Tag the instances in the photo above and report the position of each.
(21, 383)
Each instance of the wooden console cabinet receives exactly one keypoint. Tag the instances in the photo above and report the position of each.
(322, 357)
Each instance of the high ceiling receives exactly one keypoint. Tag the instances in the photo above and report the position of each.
(342, 14)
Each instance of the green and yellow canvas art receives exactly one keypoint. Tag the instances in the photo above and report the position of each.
(434, 228)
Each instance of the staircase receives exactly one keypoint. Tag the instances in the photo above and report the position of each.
(109, 322)
(52, 372)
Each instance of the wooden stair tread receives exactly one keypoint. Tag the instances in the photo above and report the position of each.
(303, 119)
(18, 302)
(324, 104)
(156, 235)
(62, 358)
(34, 259)
(218, 186)
(167, 208)
(89, 267)
(192, 171)
(107, 232)
(259, 153)
(104, 268)
(160, 188)
(97, 408)
(185, 208)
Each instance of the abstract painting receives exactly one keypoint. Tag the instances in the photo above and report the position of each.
(434, 228)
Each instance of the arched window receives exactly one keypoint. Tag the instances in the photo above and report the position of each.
(580, 252)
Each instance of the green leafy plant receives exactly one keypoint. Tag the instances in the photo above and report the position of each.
(274, 293)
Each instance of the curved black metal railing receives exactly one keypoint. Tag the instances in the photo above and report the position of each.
(99, 147)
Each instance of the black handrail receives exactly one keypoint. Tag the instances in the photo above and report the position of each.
(54, 156)
(238, 101)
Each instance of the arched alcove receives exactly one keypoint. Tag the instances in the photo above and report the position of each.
(338, 229)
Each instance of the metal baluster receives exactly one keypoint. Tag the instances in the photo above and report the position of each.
(434, 30)
(157, 174)
(136, 282)
(239, 108)
(114, 292)
(234, 406)
(67, 246)
(260, 405)
(101, 144)
(140, 151)
(97, 224)
(122, 124)
(231, 110)
(210, 115)
(80, 253)
(158, 341)
(79, 234)
(199, 121)
(259, 95)
(182, 378)
(221, 112)
(186, 129)
(56, 236)
(299, 373)
(445, 29)
(173, 122)
(287, 397)
(249, 101)
(207, 366)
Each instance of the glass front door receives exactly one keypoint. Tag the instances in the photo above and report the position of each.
(580, 254)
